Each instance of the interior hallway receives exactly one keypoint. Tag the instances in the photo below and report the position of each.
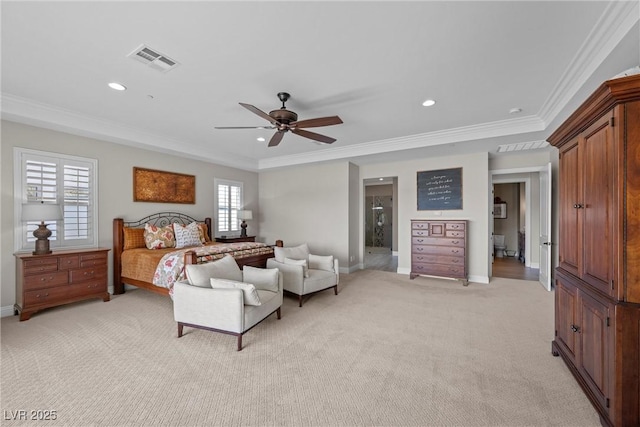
(511, 268)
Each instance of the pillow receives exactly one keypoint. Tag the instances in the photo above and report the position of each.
(133, 238)
(294, 252)
(223, 268)
(204, 233)
(159, 237)
(249, 293)
(319, 262)
(302, 262)
(263, 278)
(187, 235)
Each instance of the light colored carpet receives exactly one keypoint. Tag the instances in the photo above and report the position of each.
(387, 351)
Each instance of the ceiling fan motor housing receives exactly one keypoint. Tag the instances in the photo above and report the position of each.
(283, 115)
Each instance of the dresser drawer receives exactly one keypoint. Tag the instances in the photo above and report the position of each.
(39, 269)
(93, 260)
(439, 250)
(455, 233)
(456, 226)
(439, 270)
(37, 262)
(53, 296)
(84, 274)
(67, 262)
(47, 280)
(437, 241)
(437, 259)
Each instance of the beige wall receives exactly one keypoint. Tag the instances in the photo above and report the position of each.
(475, 205)
(308, 204)
(115, 179)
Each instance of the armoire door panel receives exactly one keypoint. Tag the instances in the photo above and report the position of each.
(598, 189)
(566, 319)
(569, 218)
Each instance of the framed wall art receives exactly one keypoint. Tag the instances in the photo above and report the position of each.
(440, 189)
(151, 185)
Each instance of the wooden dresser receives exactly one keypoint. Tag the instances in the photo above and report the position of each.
(597, 295)
(439, 248)
(44, 281)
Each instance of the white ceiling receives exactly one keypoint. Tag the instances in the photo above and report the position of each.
(371, 63)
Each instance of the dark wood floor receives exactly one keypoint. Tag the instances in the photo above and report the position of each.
(511, 268)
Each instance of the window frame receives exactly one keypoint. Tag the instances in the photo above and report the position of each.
(233, 228)
(20, 157)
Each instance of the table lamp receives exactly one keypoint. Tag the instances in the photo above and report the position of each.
(243, 215)
(41, 212)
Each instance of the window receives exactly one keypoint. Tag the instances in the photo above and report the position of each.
(229, 201)
(68, 181)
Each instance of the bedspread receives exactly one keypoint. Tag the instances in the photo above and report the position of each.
(171, 266)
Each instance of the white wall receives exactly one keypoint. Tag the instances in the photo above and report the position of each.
(475, 205)
(115, 179)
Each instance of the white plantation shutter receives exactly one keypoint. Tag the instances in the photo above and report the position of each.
(229, 201)
(66, 180)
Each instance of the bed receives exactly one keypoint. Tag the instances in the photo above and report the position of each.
(157, 269)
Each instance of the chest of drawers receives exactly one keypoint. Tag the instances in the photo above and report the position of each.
(62, 277)
(439, 248)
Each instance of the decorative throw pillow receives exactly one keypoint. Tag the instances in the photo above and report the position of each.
(249, 293)
(204, 233)
(159, 237)
(294, 252)
(302, 262)
(187, 235)
(320, 262)
(263, 278)
(133, 238)
(223, 268)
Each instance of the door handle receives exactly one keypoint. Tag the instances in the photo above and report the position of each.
(547, 243)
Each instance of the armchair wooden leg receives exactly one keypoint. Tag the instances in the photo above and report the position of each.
(180, 326)
(239, 342)
(278, 313)
(299, 300)
(335, 289)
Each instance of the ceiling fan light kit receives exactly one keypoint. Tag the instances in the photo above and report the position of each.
(284, 120)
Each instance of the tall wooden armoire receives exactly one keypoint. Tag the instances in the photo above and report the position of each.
(597, 294)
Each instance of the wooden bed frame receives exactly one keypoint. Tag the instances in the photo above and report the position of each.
(161, 219)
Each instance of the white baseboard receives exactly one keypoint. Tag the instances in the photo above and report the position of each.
(534, 265)
(6, 311)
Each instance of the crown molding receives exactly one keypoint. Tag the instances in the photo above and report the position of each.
(466, 133)
(29, 112)
(616, 21)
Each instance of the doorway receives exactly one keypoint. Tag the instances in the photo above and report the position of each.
(380, 209)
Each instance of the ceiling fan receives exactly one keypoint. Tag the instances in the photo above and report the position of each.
(285, 120)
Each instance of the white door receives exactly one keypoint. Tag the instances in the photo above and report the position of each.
(545, 228)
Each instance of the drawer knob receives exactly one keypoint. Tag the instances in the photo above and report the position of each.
(575, 328)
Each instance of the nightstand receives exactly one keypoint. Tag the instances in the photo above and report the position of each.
(235, 239)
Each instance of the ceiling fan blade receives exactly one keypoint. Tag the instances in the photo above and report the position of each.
(320, 121)
(314, 136)
(259, 112)
(276, 138)
(244, 127)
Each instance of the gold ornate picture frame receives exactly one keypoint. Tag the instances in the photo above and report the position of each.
(151, 185)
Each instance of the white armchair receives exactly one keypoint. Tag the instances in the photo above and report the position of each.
(220, 297)
(305, 273)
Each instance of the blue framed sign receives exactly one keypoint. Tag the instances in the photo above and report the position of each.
(440, 189)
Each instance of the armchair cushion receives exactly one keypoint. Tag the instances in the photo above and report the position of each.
(320, 262)
(302, 262)
(249, 292)
(262, 278)
(224, 268)
(294, 252)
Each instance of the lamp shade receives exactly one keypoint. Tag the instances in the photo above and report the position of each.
(245, 215)
(41, 212)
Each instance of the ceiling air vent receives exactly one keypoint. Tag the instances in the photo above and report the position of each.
(153, 58)
(521, 146)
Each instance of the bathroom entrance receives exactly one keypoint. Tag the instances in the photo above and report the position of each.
(380, 239)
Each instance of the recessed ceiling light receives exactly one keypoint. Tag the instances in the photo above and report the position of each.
(117, 86)
(429, 103)
(261, 139)
(515, 110)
